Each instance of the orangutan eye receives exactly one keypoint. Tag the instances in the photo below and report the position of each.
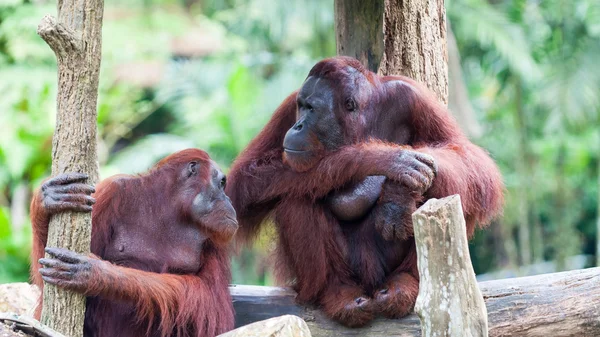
(192, 168)
(350, 104)
(223, 182)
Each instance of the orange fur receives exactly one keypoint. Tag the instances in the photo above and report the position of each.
(127, 299)
(327, 261)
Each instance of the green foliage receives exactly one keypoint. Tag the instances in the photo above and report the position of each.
(15, 259)
(479, 23)
(259, 51)
(551, 49)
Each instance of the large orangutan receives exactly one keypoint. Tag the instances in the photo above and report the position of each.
(160, 262)
(340, 167)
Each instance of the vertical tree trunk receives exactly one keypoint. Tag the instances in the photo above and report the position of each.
(537, 245)
(458, 95)
(19, 206)
(75, 38)
(396, 37)
(359, 30)
(565, 239)
(414, 38)
(523, 172)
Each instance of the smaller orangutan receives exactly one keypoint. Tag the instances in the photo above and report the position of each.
(160, 259)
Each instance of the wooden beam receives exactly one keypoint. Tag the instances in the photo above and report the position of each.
(558, 304)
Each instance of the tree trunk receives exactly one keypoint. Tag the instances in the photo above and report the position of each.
(564, 242)
(524, 176)
(558, 305)
(76, 39)
(458, 95)
(396, 37)
(359, 30)
(19, 206)
(414, 39)
(282, 326)
(449, 301)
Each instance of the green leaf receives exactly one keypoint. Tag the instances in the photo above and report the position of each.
(489, 27)
(5, 229)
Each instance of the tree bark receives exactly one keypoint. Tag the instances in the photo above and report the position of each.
(27, 325)
(282, 326)
(524, 177)
(359, 30)
(76, 39)
(458, 95)
(558, 305)
(414, 38)
(449, 301)
(396, 37)
(565, 239)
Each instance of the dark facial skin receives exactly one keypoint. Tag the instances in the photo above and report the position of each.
(317, 128)
(211, 212)
(212, 208)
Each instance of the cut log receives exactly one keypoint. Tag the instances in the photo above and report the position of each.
(449, 301)
(282, 326)
(558, 304)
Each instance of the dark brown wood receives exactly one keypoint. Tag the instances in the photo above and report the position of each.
(558, 304)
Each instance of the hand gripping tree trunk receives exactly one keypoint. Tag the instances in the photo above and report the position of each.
(75, 37)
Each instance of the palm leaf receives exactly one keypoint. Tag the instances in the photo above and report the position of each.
(481, 23)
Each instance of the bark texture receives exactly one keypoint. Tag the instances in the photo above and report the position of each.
(26, 324)
(414, 38)
(359, 30)
(449, 301)
(522, 167)
(396, 37)
(458, 95)
(558, 305)
(282, 326)
(76, 39)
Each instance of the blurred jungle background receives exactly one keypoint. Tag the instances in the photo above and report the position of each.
(209, 73)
